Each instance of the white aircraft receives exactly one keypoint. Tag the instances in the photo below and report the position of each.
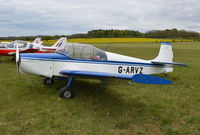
(73, 59)
(5, 44)
(53, 47)
(9, 48)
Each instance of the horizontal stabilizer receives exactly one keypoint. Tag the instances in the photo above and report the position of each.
(169, 63)
(149, 79)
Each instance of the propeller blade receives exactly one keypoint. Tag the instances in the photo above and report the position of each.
(108, 46)
(17, 59)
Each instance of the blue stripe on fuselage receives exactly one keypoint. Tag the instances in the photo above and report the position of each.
(63, 58)
(52, 56)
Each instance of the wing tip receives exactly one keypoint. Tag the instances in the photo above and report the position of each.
(149, 79)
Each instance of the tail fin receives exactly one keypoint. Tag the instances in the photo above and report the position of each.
(38, 41)
(165, 57)
(59, 42)
(61, 45)
(165, 54)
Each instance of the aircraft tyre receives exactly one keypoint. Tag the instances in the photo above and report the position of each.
(48, 81)
(66, 92)
(13, 58)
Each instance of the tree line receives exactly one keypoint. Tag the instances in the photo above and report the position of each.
(168, 33)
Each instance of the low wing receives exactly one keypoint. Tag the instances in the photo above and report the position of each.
(94, 74)
(139, 78)
(31, 50)
(25, 51)
(149, 79)
(168, 63)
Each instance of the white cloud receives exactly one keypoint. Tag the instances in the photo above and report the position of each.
(34, 17)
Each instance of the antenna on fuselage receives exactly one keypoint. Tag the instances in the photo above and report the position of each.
(108, 46)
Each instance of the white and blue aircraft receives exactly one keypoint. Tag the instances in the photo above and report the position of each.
(74, 60)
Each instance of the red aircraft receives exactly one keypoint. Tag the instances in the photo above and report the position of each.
(9, 48)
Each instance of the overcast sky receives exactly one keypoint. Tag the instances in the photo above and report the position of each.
(51, 17)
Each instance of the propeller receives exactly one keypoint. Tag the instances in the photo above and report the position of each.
(108, 46)
(17, 59)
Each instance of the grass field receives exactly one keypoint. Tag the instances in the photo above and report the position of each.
(29, 108)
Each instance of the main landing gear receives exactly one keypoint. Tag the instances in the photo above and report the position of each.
(101, 86)
(67, 91)
(13, 58)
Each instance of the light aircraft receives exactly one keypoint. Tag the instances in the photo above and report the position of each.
(5, 44)
(82, 60)
(9, 48)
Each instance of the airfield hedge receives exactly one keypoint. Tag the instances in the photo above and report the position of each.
(158, 34)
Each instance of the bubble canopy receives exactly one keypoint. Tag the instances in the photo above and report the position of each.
(14, 44)
(81, 51)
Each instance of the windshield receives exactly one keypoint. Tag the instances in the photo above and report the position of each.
(21, 44)
(82, 51)
(11, 45)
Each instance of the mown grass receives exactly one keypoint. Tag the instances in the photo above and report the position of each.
(28, 107)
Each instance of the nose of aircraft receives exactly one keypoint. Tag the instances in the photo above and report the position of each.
(38, 63)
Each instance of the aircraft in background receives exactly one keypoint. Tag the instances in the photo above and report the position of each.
(9, 48)
(38, 41)
(49, 49)
(82, 60)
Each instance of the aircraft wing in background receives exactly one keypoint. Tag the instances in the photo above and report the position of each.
(30, 50)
